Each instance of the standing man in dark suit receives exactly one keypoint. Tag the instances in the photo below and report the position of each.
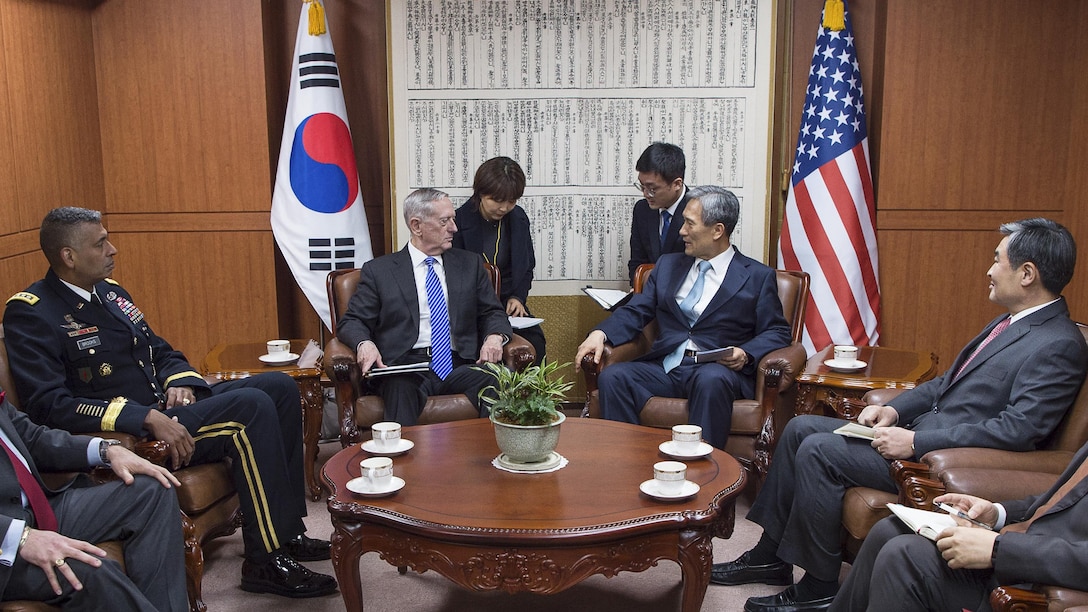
(710, 297)
(85, 359)
(656, 220)
(1007, 389)
(47, 552)
(426, 302)
(1041, 540)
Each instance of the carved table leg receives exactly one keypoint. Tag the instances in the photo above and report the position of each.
(346, 551)
(313, 407)
(696, 555)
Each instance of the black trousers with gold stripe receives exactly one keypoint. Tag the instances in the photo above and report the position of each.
(257, 422)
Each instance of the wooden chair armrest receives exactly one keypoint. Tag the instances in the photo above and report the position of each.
(1010, 599)
(917, 485)
(518, 353)
(780, 367)
(881, 396)
(155, 451)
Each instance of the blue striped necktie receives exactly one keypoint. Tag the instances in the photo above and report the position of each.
(441, 353)
(687, 307)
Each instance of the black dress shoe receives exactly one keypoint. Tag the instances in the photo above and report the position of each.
(742, 571)
(786, 601)
(303, 548)
(282, 575)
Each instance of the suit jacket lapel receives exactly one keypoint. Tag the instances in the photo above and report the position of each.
(405, 277)
(671, 284)
(735, 276)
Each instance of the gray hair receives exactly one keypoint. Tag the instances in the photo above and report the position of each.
(420, 203)
(1045, 243)
(59, 228)
(719, 206)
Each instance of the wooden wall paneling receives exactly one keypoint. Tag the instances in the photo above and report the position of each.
(17, 272)
(182, 104)
(976, 109)
(51, 150)
(199, 288)
(934, 288)
(1072, 198)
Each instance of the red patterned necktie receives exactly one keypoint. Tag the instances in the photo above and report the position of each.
(1000, 327)
(39, 505)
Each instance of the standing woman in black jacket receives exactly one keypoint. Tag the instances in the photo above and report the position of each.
(492, 224)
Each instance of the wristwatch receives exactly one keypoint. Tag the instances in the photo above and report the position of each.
(103, 447)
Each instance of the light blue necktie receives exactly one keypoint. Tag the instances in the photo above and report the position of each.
(666, 218)
(687, 307)
(441, 354)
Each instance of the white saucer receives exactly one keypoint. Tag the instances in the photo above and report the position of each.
(548, 463)
(403, 446)
(670, 448)
(277, 359)
(688, 489)
(842, 365)
(358, 486)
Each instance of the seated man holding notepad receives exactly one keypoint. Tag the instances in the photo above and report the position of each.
(427, 303)
(711, 297)
(1041, 539)
(1008, 389)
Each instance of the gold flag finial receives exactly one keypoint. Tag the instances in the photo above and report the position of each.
(834, 15)
(317, 18)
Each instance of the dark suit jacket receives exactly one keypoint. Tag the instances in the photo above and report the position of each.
(385, 307)
(1013, 393)
(72, 359)
(469, 236)
(646, 238)
(44, 448)
(745, 312)
(1054, 550)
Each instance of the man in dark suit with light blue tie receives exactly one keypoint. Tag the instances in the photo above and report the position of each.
(426, 302)
(710, 297)
(656, 219)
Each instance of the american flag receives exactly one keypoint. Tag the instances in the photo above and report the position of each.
(829, 230)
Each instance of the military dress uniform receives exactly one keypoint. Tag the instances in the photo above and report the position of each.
(86, 367)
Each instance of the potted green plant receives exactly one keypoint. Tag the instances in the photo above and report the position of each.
(525, 410)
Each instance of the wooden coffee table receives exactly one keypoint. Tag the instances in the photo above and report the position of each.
(240, 360)
(488, 529)
(821, 390)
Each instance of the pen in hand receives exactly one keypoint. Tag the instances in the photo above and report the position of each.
(963, 515)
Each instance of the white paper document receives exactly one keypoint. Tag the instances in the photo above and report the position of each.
(523, 322)
(853, 430)
(607, 298)
(422, 366)
(923, 522)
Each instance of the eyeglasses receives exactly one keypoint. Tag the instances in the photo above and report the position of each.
(647, 191)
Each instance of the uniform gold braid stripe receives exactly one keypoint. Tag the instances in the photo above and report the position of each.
(253, 476)
(113, 410)
(186, 374)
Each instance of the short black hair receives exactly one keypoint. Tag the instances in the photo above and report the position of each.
(59, 228)
(1045, 243)
(499, 178)
(664, 159)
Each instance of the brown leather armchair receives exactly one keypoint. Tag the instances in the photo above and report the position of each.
(985, 472)
(357, 409)
(208, 501)
(756, 422)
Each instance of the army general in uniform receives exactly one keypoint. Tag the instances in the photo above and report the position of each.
(85, 359)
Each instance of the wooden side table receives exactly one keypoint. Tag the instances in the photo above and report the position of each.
(820, 390)
(237, 361)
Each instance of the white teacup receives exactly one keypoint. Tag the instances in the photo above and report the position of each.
(386, 435)
(377, 472)
(686, 438)
(845, 352)
(278, 347)
(670, 476)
